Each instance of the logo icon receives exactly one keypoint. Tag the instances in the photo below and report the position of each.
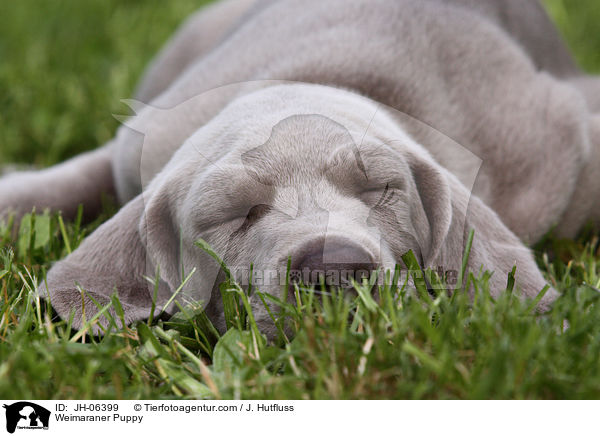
(26, 415)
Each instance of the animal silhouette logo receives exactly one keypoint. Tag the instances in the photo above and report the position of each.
(26, 415)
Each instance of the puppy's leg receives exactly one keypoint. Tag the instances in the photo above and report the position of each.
(80, 180)
(530, 26)
(528, 127)
(585, 205)
(589, 86)
(528, 23)
(195, 38)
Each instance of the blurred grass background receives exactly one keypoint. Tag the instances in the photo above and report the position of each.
(66, 64)
(579, 23)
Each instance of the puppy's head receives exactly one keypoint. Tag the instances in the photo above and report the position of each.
(310, 175)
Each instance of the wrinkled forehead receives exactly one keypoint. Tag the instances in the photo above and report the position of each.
(299, 147)
(300, 150)
(310, 153)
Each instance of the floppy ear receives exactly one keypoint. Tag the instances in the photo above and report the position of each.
(113, 258)
(434, 218)
(451, 212)
(160, 237)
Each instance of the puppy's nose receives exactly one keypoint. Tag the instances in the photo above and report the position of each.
(333, 263)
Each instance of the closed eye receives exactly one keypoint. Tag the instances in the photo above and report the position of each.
(254, 215)
(257, 212)
(389, 197)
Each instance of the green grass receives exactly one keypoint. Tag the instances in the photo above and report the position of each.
(579, 23)
(65, 67)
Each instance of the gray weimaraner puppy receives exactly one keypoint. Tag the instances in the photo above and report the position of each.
(340, 134)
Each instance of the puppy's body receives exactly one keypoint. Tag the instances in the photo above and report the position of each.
(492, 76)
(450, 67)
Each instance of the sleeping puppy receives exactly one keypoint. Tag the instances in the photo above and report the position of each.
(337, 135)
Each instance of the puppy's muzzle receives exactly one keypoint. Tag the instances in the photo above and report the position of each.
(333, 263)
